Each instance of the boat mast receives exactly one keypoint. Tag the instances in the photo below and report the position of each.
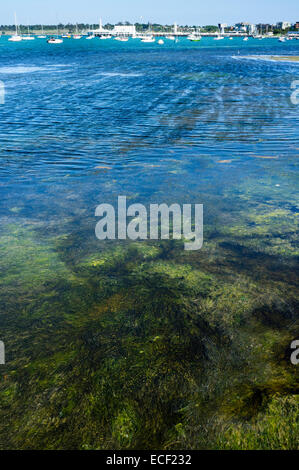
(16, 24)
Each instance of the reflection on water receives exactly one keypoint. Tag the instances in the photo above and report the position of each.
(122, 341)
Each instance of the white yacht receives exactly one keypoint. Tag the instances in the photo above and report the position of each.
(28, 37)
(77, 35)
(121, 38)
(195, 37)
(55, 41)
(42, 36)
(161, 42)
(16, 37)
(218, 38)
(148, 39)
(246, 39)
(172, 38)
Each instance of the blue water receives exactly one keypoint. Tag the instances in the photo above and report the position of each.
(144, 345)
(86, 121)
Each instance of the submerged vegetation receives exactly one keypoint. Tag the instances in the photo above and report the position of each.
(120, 345)
(145, 346)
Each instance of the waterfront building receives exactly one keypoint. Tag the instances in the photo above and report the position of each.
(101, 31)
(124, 30)
(222, 27)
(248, 28)
(283, 25)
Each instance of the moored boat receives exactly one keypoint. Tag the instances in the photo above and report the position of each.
(55, 41)
(195, 37)
(16, 37)
(148, 39)
(77, 35)
(42, 36)
(121, 38)
(28, 37)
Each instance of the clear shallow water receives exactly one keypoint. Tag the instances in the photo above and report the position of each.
(161, 119)
(116, 348)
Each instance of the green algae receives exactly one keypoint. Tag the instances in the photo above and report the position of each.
(21, 252)
(274, 429)
(141, 345)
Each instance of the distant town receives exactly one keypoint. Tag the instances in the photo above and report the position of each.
(126, 28)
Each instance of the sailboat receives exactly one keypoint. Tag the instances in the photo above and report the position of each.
(16, 37)
(90, 34)
(42, 36)
(148, 39)
(196, 37)
(28, 37)
(66, 36)
(56, 40)
(121, 38)
(77, 35)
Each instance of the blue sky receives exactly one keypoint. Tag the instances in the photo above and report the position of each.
(162, 11)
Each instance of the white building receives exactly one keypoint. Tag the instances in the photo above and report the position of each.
(221, 27)
(283, 25)
(242, 27)
(248, 28)
(124, 30)
(101, 30)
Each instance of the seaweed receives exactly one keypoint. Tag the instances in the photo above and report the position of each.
(141, 346)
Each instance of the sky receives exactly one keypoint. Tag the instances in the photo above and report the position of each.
(191, 12)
